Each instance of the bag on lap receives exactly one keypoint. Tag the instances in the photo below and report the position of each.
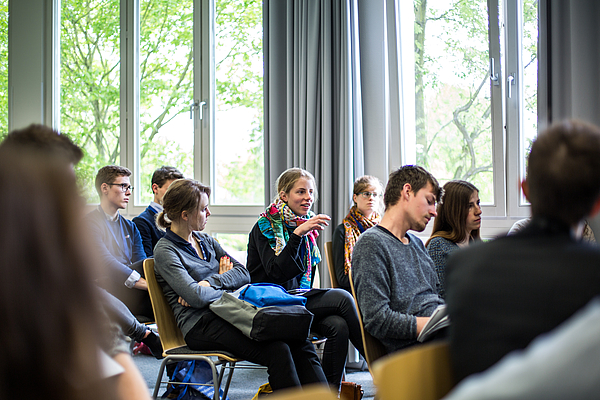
(265, 312)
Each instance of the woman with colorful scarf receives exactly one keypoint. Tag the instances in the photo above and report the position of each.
(362, 216)
(282, 249)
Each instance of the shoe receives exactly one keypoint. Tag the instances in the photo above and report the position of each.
(153, 343)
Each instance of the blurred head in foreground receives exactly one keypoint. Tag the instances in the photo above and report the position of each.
(51, 329)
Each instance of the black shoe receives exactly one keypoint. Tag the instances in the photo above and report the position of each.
(153, 343)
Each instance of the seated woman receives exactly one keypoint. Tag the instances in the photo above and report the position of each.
(193, 271)
(283, 250)
(362, 216)
(456, 225)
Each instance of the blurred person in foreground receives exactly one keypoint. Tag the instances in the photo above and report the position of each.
(502, 294)
(55, 331)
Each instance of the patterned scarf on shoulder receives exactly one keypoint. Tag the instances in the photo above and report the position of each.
(355, 224)
(277, 222)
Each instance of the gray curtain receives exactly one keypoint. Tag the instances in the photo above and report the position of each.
(312, 98)
(569, 76)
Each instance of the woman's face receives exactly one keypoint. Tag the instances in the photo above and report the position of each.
(197, 220)
(474, 216)
(367, 201)
(300, 197)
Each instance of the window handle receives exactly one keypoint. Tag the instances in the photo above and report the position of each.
(493, 74)
(200, 106)
(510, 81)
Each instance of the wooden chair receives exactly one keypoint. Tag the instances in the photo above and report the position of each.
(374, 349)
(174, 347)
(421, 372)
(312, 392)
(330, 268)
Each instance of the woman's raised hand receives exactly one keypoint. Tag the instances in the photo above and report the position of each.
(225, 264)
(318, 222)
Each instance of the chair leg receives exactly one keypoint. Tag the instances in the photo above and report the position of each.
(161, 371)
(229, 376)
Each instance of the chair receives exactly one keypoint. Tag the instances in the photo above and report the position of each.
(330, 268)
(422, 372)
(374, 349)
(174, 347)
(313, 392)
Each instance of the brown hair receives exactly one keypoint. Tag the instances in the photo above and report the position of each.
(288, 178)
(563, 171)
(41, 137)
(417, 177)
(182, 195)
(452, 212)
(48, 308)
(164, 174)
(108, 174)
(362, 183)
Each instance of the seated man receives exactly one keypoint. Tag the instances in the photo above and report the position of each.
(394, 278)
(504, 293)
(146, 221)
(118, 242)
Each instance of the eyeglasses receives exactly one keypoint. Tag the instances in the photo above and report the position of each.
(368, 195)
(124, 186)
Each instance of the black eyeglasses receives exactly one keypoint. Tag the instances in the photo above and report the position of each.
(124, 186)
(368, 195)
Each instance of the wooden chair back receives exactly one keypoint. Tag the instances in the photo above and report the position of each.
(170, 334)
(374, 349)
(330, 267)
(421, 372)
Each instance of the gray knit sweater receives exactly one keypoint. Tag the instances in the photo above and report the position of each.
(394, 283)
(179, 269)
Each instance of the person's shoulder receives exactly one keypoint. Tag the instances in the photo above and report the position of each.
(143, 217)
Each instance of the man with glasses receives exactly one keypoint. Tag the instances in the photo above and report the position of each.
(118, 242)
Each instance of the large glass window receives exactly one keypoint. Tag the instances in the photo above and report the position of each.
(476, 86)
(238, 151)
(90, 83)
(3, 68)
(166, 89)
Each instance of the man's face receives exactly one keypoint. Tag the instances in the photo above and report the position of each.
(114, 193)
(159, 192)
(420, 208)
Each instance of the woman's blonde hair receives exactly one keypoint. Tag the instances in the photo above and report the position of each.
(362, 183)
(288, 178)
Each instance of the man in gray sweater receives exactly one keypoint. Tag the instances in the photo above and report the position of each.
(394, 278)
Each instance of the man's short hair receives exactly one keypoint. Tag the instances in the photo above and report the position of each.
(46, 140)
(414, 175)
(563, 171)
(164, 174)
(108, 174)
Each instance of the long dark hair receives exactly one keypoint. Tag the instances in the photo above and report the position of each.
(51, 329)
(452, 212)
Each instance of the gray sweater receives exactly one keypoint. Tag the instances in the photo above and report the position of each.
(179, 269)
(394, 283)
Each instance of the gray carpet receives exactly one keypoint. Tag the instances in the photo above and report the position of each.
(245, 382)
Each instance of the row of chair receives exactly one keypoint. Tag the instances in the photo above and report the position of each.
(422, 372)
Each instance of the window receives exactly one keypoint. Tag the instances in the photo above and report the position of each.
(476, 94)
(167, 82)
(3, 68)
(90, 83)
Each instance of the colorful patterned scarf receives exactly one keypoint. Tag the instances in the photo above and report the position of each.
(355, 224)
(277, 222)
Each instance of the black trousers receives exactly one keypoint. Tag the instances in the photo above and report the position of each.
(288, 364)
(136, 300)
(337, 320)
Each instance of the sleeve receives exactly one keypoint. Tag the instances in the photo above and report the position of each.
(439, 255)
(146, 234)
(338, 257)
(373, 285)
(232, 279)
(168, 264)
(111, 267)
(276, 269)
(137, 245)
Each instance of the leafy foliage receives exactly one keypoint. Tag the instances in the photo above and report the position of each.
(3, 68)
